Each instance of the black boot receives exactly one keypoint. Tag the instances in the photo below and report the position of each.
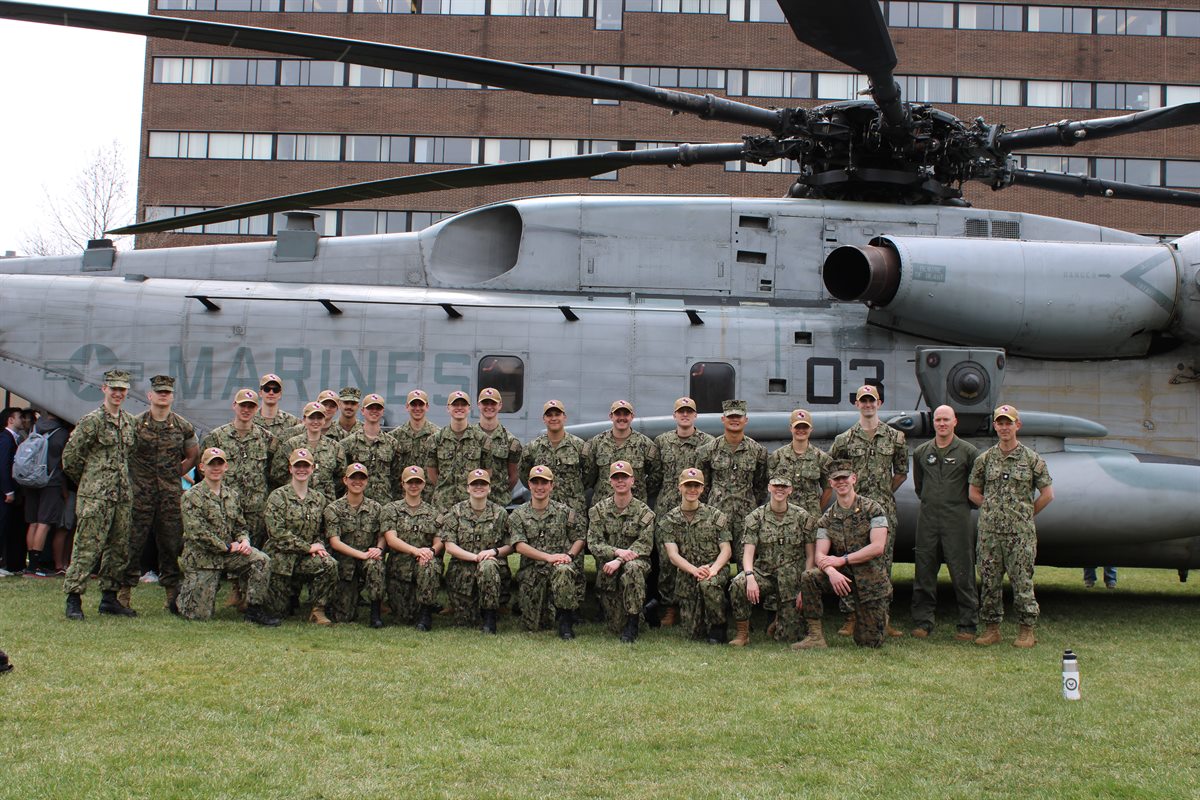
(260, 616)
(652, 611)
(565, 621)
(629, 633)
(74, 607)
(109, 604)
(376, 614)
(489, 621)
(717, 634)
(425, 619)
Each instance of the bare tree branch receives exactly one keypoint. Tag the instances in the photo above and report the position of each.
(97, 200)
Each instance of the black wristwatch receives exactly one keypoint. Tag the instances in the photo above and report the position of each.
(749, 572)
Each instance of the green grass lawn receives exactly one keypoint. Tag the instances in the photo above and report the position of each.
(158, 707)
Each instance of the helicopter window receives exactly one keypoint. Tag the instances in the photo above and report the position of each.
(776, 385)
(1183, 23)
(1183, 173)
(711, 383)
(506, 374)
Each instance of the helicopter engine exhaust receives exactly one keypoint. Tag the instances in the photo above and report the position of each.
(1035, 298)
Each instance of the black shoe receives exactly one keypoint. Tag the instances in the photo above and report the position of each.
(653, 613)
(565, 620)
(109, 604)
(376, 614)
(173, 606)
(629, 633)
(425, 620)
(259, 616)
(717, 634)
(5, 664)
(74, 607)
(489, 621)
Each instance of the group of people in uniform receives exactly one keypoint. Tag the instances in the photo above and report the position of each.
(332, 503)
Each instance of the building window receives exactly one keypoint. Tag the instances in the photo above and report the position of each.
(711, 383)
(376, 76)
(445, 150)
(506, 374)
(1058, 94)
(385, 7)
(1183, 23)
(312, 73)
(1142, 171)
(308, 147)
(840, 85)
(1068, 164)
(330, 222)
(1055, 19)
(1183, 174)
(679, 6)
(317, 6)
(1128, 96)
(1129, 21)
(989, 17)
(989, 91)
(920, 15)
(378, 148)
(770, 83)
(923, 89)
(537, 8)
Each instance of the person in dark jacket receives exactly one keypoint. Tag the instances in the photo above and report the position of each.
(44, 507)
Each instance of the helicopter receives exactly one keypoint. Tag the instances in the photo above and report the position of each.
(870, 269)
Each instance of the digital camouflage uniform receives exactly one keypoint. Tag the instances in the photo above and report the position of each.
(566, 461)
(361, 528)
(210, 524)
(737, 480)
(779, 556)
(337, 433)
(327, 471)
(676, 455)
(609, 528)
(453, 456)
(411, 448)
(293, 526)
(250, 456)
(410, 585)
(848, 530)
(280, 426)
(1007, 536)
(944, 530)
(701, 603)
(877, 460)
(551, 530)
(158, 449)
(379, 457)
(474, 587)
(639, 451)
(809, 474)
(96, 458)
(502, 449)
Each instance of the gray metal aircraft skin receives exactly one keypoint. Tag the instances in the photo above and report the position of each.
(623, 296)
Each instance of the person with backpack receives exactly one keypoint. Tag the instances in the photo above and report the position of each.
(40, 456)
(13, 550)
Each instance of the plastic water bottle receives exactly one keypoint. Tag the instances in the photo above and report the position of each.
(1070, 676)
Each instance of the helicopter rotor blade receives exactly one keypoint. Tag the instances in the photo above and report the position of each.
(1071, 132)
(853, 32)
(453, 66)
(1082, 186)
(547, 169)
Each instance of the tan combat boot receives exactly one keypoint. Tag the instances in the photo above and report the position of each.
(317, 617)
(890, 631)
(743, 634)
(1025, 637)
(124, 596)
(235, 597)
(848, 628)
(670, 618)
(815, 640)
(990, 636)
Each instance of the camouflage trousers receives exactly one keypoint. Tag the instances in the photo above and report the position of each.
(101, 535)
(668, 576)
(623, 592)
(355, 578)
(198, 591)
(846, 604)
(472, 588)
(701, 603)
(156, 512)
(1012, 553)
(777, 593)
(410, 585)
(319, 572)
(543, 585)
(871, 615)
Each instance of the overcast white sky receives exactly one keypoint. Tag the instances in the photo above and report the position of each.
(65, 93)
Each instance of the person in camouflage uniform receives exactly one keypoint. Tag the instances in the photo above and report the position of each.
(622, 443)
(879, 455)
(474, 534)
(270, 416)
(251, 450)
(375, 450)
(411, 440)
(778, 545)
(696, 538)
(941, 468)
(1003, 482)
(330, 459)
(328, 399)
(346, 423)
(354, 530)
(502, 453)
(549, 537)
(165, 448)
(736, 467)
(851, 541)
(414, 566)
(805, 465)
(294, 541)
(621, 537)
(678, 450)
(452, 452)
(216, 540)
(96, 458)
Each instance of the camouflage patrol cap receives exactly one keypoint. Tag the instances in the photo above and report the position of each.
(866, 390)
(300, 455)
(1006, 412)
(270, 377)
(840, 469)
(245, 396)
(476, 475)
(355, 469)
(457, 395)
(373, 400)
(313, 408)
(621, 405)
(550, 405)
(350, 394)
(780, 480)
(691, 475)
(801, 417)
(417, 396)
(733, 408)
(490, 394)
(541, 471)
(212, 454)
(117, 379)
(413, 473)
(686, 402)
(162, 383)
(620, 468)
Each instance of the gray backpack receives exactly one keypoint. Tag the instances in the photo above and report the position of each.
(29, 464)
